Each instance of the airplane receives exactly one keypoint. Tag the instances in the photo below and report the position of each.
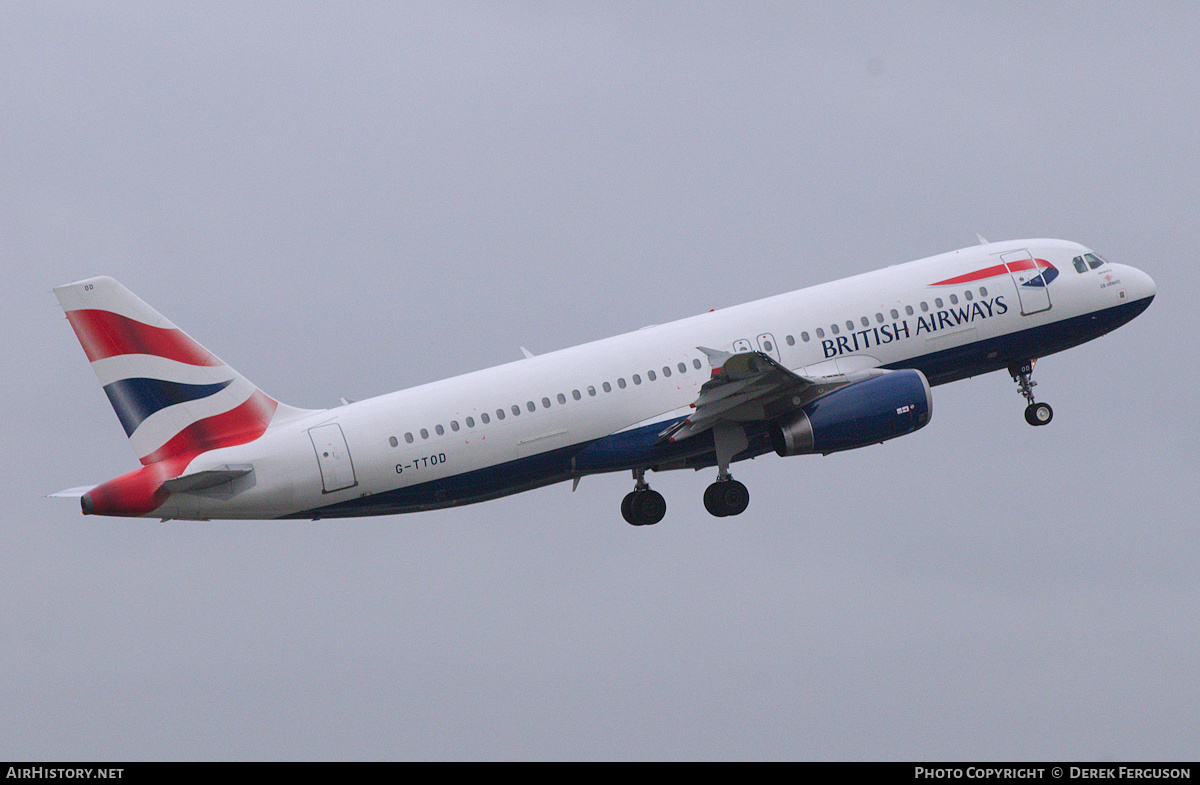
(832, 367)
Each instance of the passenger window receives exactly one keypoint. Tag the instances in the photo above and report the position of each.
(575, 394)
(408, 437)
(392, 440)
(607, 387)
(879, 318)
(867, 322)
(895, 314)
(767, 346)
(637, 379)
(908, 310)
(983, 291)
(682, 368)
(454, 425)
(834, 328)
(924, 306)
(804, 337)
(954, 299)
(849, 326)
(485, 418)
(562, 398)
(937, 301)
(967, 294)
(790, 341)
(499, 414)
(424, 434)
(531, 406)
(666, 371)
(621, 382)
(545, 403)
(439, 430)
(650, 375)
(820, 333)
(471, 422)
(696, 364)
(591, 390)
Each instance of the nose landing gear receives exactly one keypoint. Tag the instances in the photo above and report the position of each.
(1035, 413)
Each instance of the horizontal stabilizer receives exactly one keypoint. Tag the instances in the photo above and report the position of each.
(198, 481)
(71, 493)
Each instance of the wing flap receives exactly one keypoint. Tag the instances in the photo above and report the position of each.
(742, 385)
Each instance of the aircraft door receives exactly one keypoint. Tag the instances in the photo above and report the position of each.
(1031, 287)
(333, 456)
(767, 345)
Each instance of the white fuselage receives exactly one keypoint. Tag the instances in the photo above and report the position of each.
(429, 446)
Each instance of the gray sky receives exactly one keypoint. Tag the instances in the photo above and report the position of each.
(345, 199)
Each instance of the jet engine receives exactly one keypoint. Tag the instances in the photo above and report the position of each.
(866, 412)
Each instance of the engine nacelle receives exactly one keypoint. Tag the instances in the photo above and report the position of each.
(867, 412)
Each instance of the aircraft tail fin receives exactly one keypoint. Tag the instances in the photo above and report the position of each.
(173, 397)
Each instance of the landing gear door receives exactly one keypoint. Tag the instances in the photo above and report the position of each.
(333, 456)
(1031, 286)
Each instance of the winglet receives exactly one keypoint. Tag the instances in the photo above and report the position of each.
(715, 358)
(981, 240)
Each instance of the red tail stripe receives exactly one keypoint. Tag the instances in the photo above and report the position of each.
(136, 493)
(236, 426)
(106, 334)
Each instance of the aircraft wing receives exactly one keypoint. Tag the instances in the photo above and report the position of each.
(748, 387)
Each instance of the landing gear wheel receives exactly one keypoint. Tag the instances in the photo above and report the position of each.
(1038, 413)
(712, 500)
(627, 509)
(1035, 413)
(726, 497)
(643, 508)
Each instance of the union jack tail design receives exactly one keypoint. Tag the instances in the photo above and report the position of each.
(174, 398)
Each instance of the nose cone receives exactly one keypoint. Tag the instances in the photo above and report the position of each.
(1146, 283)
(1140, 289)
(1139, 286)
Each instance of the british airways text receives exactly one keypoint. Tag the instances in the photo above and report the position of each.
(931, 323)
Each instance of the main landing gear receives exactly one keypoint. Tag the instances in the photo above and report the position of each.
(643, 507)
(1035, 413)
(727, 496)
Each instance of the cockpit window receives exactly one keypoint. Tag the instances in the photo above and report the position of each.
(1080, 265)
(1093, 260)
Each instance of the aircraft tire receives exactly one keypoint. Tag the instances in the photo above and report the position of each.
(643, 508)
(712, 501)
(1038, 413)
(725, 498)
(627, 508)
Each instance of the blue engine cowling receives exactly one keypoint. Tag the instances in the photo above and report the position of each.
(867, 412)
